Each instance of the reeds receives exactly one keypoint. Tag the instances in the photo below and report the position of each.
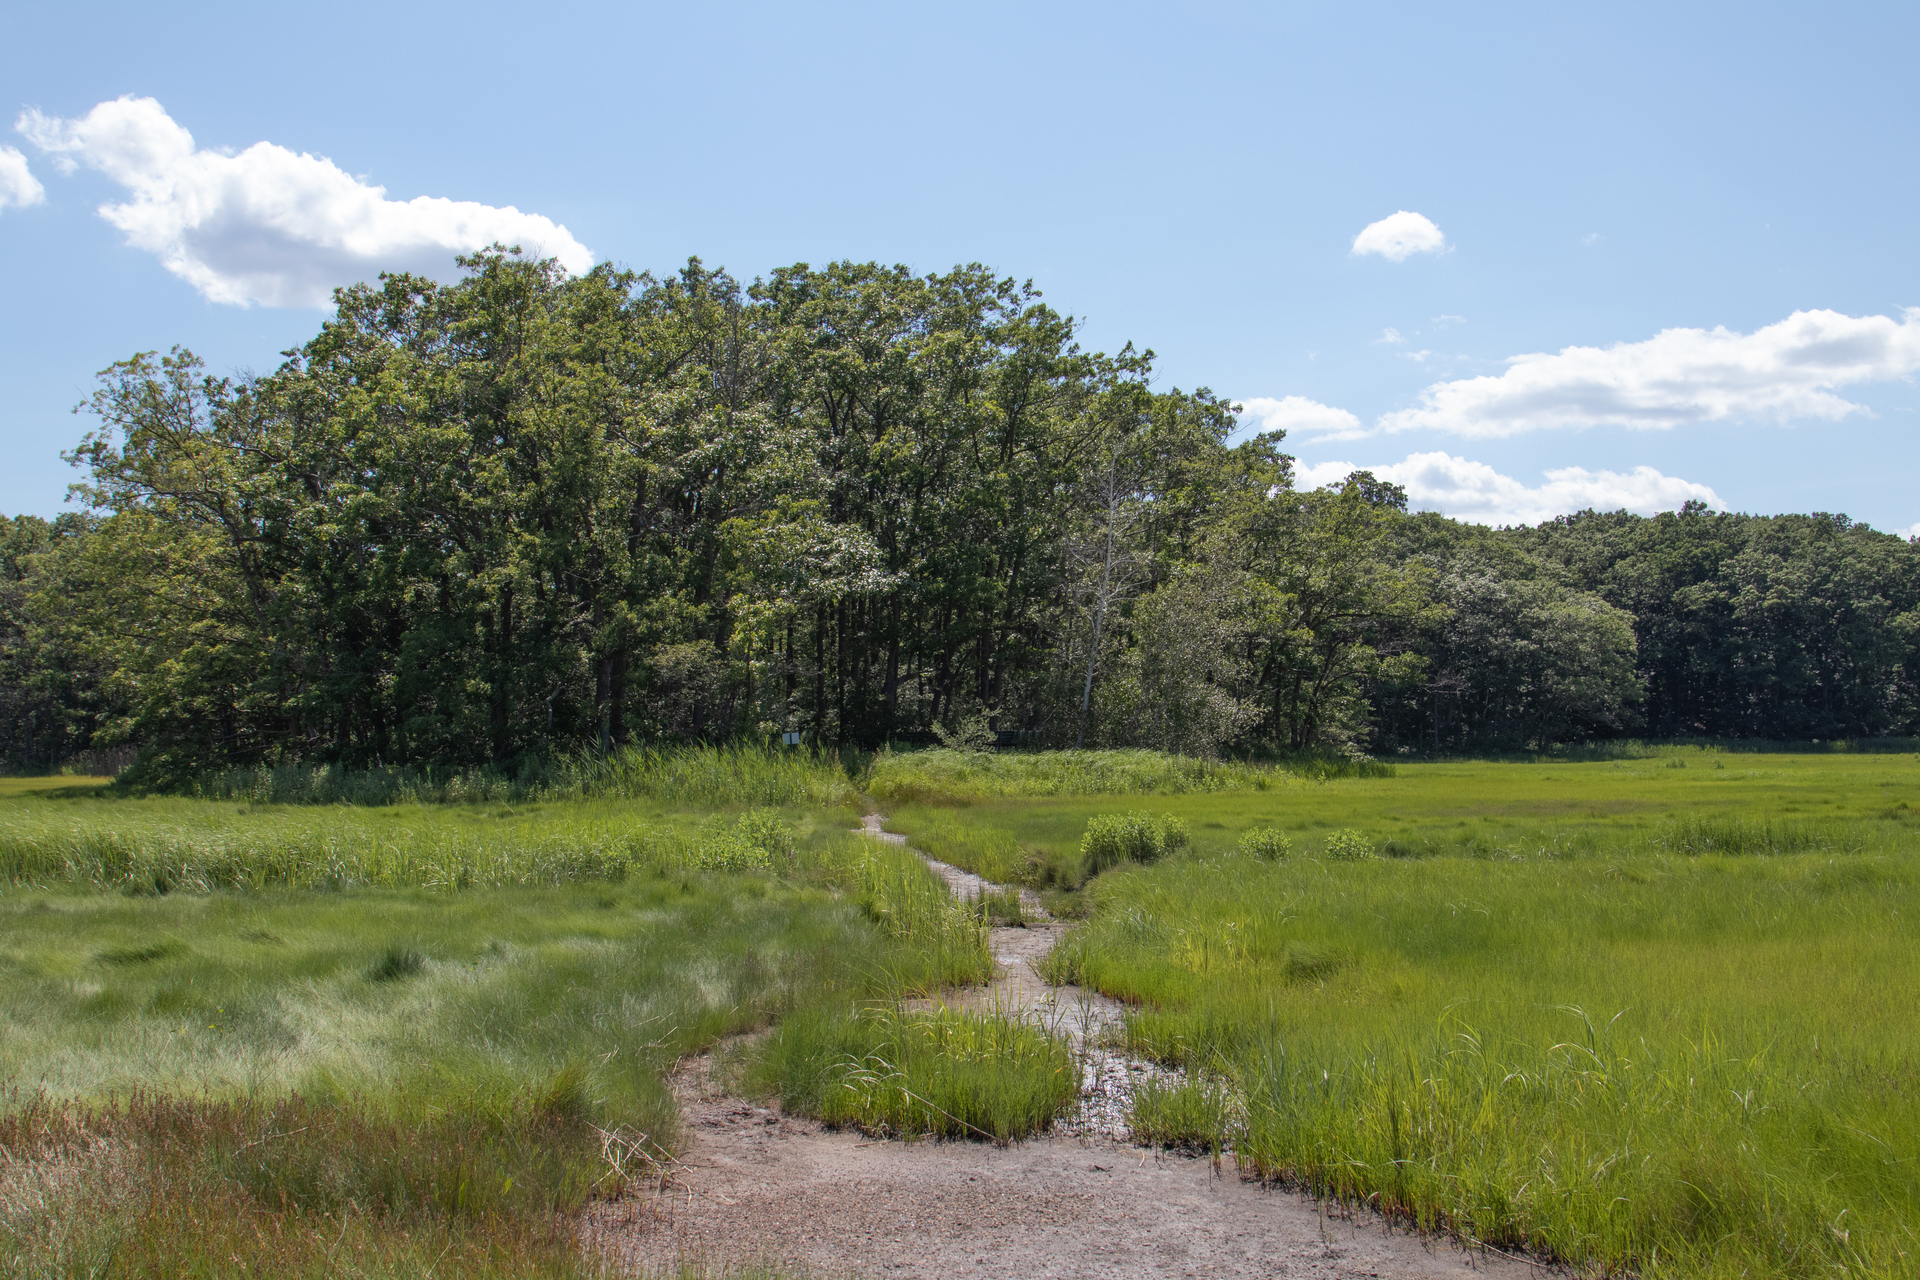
(715, 777)
(166, 846)
(944, 776)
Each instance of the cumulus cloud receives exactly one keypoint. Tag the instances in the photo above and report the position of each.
(1476, 492)
(1399, 236)
(18, 187)
(1785, 371)
(269, 225)
(1296, 414)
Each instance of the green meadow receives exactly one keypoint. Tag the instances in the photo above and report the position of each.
(1654, 1016)
(290, 1037)
(1684, 800)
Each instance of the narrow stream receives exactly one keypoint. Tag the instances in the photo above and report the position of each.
(1088, 1019)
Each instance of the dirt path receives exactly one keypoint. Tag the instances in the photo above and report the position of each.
(759, 1186)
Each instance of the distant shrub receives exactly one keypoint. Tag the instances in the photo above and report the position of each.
(1114, 838)
(1265, 843)
(1348, 845)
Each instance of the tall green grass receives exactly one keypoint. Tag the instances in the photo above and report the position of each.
(941, 775)
(1683, 748)
(161, 1186)
(1685, 1064)
(409, 1039)
(1729, 834)
(950, 1072)
(708, 777)
(370, 1080)
(955, 1073)
(1839, 803)
(167, 845)
(948, 942)
(988, 851)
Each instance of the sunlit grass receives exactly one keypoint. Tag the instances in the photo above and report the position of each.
(699, 776)
(1684, 1065)
(944, 776)
(392, 1041)
(1652, 1014)
(161, 845)
(1718, 802)
(949, 1072)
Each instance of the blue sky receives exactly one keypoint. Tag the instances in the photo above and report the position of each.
(1605, 178)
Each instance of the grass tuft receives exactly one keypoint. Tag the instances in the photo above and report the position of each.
(396, 963)
(948, 1072)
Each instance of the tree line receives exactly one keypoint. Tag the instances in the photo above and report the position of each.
(531, 513)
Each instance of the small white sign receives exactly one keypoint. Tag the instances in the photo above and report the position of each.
(790, 739)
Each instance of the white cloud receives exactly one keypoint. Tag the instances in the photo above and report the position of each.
(18, 187)
(1389, 336)
(1475, 492)
(1444, 321)
(1399, 237)
(268, 225)
(1296, 414)
(1782, 372)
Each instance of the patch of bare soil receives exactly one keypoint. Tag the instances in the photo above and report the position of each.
(758, 1186)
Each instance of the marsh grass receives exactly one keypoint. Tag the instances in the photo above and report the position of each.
(947, 1072)
(1699, 750)
(941, 775)
(1738, 836)
(402, 1040)
(1200, 1113)
(157, 1186)
(1113, 839)
(1840, 803)
(945, 940)
(405, 1081)
(1650, 1013)
(161, 846)
(335, 995)
(1672, 1064)
(988, 851)
(694, 776)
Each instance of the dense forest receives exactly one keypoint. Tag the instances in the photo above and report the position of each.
(529, 514)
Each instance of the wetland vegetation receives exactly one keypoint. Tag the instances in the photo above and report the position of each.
(438, 674)
(1633, 1015)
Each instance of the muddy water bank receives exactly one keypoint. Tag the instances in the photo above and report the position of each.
(1091, 1021)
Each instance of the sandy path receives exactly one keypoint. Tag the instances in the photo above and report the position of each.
(757, 1185)
(760, 1186)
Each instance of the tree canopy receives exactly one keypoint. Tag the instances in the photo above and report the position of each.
(531, 513)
